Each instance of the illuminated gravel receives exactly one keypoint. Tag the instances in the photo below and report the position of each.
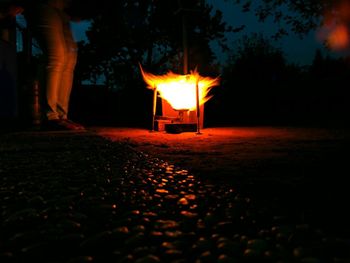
(80, 198)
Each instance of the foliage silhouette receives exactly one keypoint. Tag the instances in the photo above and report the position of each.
(260, 88)
(151, 33)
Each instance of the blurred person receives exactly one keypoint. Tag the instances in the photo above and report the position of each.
(49, 24)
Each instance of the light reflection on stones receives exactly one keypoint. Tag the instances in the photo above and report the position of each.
(151, 211)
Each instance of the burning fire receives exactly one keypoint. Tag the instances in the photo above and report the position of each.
(180, 90)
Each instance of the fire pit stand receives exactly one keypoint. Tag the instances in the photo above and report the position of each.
(178, 125)
(175, 124)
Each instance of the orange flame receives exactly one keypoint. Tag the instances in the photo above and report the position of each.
(180, 90)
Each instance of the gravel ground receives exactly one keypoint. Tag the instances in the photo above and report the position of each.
(78, 197)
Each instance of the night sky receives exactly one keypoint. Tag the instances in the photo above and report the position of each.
(297, 51)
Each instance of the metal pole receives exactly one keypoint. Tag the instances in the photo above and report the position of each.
(184, 39)
(197, 108)
(154, 106)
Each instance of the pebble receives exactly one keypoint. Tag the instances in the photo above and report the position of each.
(144, 210)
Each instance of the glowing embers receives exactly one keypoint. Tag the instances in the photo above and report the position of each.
(183, 97)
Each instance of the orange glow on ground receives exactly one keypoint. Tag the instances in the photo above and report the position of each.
(232, 149)
(215, 146)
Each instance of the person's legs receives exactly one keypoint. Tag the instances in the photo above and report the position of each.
(48, 28)
(68, 70)
(52, 30)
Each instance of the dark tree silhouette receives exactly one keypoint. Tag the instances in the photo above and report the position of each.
(315, 95)
(257, 85)
(149, 32)
(328, 78)
(330, 18)
(298, 16)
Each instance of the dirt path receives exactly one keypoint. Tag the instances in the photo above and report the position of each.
(246, 152)
(86, 197)
(301, 169)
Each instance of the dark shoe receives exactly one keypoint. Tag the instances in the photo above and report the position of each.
(61, 125)
(54, 125)
(72, 125)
